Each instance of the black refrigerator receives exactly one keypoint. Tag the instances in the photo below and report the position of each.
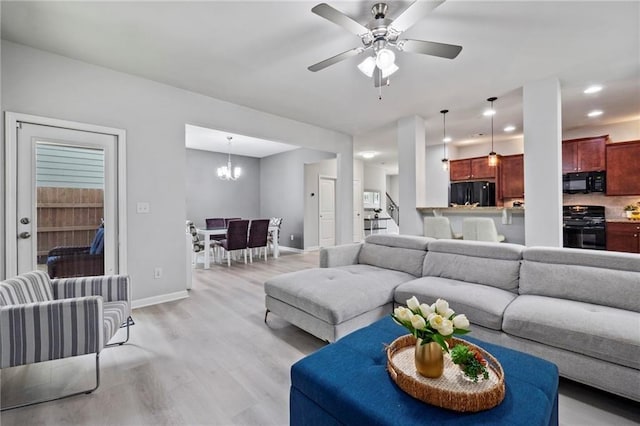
(465, 193)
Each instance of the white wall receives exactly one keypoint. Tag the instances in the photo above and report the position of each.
(208, 196)
(437, 180)
(375, 179)
(618, 132)
(505, 147)
(154, 115)
(393, 187)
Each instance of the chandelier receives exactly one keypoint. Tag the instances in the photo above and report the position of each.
(227, 172)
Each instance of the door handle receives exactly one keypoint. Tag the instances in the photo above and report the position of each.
(24, 235)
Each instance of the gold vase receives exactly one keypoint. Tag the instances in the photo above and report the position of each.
(429, 359)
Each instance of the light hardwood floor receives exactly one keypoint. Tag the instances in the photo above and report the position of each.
(210, 359)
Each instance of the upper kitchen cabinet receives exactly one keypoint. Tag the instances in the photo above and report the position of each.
(471, 168)
(584, 155)
(623, 160)
(512, 176)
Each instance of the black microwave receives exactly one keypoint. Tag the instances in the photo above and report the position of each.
(585, 182)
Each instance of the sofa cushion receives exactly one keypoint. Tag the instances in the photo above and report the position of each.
(598, 331)
(403, 253)
(491, 264)
(336, 294)
(483, 305)
(582, 275)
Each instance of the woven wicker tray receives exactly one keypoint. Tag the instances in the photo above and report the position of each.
(451, 390)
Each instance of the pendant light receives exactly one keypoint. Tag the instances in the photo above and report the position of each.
(493, 157)
(227, 172)
(445, 160)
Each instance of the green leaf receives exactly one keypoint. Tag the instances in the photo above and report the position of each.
(461, 331)
(440, 340)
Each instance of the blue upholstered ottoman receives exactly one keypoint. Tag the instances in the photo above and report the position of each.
(347, 383)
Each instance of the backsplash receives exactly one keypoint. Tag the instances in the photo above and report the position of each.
(613, 205)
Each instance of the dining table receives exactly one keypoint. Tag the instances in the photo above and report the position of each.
(208, 232)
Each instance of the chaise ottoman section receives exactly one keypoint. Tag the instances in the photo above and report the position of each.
(353, 288)
(343, 298)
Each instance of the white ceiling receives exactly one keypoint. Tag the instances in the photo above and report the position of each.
(206, 139)
(256, 54)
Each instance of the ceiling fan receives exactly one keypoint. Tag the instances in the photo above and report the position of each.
(382, 34)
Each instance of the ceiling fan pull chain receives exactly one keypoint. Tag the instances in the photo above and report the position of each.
(380, 86)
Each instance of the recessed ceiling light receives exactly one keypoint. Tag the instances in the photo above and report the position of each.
(447, 139)
(592, 89)
(595, 113)
(368, 154)
(509, 128)
(489, 112)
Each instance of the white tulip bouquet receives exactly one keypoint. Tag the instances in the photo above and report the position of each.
(431, 323)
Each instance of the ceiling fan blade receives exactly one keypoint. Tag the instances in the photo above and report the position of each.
(378, 80)
(432, 48)
(415, 12)
(339, 18)
(335, 59)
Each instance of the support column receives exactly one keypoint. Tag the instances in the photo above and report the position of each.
(542, 118)
(344, 196)
(411, 173)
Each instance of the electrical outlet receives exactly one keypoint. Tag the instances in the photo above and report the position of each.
(291, 237)
(157, 273)
(142, 207)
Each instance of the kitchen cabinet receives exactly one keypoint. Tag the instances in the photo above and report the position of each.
(623, 236)
(471, 168)
(584, 155)
(512, 176)
(622, 168)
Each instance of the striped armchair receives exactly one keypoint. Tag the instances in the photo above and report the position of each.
(43, 319)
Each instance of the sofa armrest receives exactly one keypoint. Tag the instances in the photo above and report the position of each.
(342, 255)
(43, 331)
(110, 287)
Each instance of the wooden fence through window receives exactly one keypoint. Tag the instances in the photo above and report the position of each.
(67, 217)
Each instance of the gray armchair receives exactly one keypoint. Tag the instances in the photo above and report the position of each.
(84, 313)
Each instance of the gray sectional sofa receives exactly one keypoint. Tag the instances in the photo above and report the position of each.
(577, 308)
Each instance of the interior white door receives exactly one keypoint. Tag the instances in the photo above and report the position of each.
(72, 164)
(327, 212)
(357, 209)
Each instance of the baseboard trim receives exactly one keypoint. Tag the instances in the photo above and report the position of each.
(314, 248)
(156, 300)
(296, 250)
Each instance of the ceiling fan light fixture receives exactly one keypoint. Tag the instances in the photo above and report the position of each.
(389, 70)
(367, 66)
(385, 59)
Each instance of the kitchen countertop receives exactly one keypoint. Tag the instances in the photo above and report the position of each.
(470, 209)
(623, 220)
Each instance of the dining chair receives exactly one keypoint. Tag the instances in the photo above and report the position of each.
(229, 219)
(481, 229)
(236, 239)
(213, 223)
(274, 222)
(258, 233)
(198, 244)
